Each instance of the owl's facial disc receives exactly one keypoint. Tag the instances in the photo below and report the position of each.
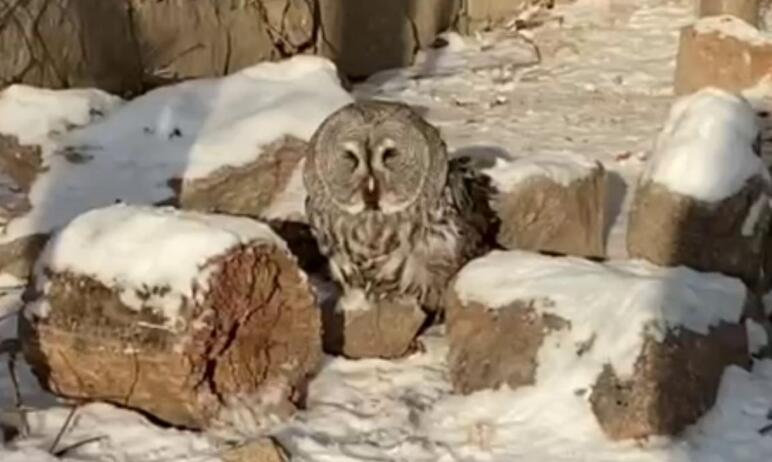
(398, 163)
(352, 173)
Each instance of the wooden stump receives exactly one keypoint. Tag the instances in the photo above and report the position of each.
(246, 326)
(703, 200)
(269, 188)
(360, 329)
(672, 229)
(646, 346)
(552, 204)
(723, 52)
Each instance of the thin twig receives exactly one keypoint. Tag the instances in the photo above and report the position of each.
(63, 452)
(63, 429)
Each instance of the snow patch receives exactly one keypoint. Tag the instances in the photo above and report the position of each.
(757, 336)
(706, 147)
(613, 304)
(138, 248)
(103, 432)
(732, 26)
(184, 131)
(37, 115)
(561, 168)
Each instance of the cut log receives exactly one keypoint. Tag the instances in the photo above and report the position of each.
(704, 199)
(684, 364)
(647, 346)
(671, 229)
(357, 329)
(177, 314)
(554, 204)
(723, 52)
(269, 188)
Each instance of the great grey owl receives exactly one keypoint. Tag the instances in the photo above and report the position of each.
(394, 216)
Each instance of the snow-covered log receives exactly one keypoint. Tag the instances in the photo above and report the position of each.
(551, 203)
(270, 187)
(178, 314)
(704, 199)
(642, 348)
(721, 51)
(232, 144)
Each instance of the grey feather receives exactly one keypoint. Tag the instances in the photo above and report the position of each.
(393, 215)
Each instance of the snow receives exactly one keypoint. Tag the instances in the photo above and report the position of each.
(602, 90)
(136, 248)
(757, 336)
(186, 131)
(561, 168)
(614, 303)
(732, 26)
(403, 411)
(110, 434)
(705, 150)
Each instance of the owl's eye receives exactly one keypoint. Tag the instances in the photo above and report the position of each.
(351, 159)
(389, 155)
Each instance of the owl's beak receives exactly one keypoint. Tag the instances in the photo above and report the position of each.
(370, 193)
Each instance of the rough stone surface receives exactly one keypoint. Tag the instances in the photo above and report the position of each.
(712, 59)
(674, 383)
(387, 330)
(540, 214)
(669, 229)
(747, 10)
(258, 189)
(256, 331)
(490, 348)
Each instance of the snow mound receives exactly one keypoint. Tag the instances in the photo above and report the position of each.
(562, 168)
(732, 26)
(136, 248)
(549, 424)
(185, 131)
(706, 147)
(614, 302)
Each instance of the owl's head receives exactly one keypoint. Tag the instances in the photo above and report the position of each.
(376, 156)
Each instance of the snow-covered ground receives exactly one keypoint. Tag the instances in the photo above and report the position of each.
(600, 86)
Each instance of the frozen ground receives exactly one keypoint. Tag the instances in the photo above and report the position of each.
(601, 88)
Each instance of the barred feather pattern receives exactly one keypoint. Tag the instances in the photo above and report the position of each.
(409, 254)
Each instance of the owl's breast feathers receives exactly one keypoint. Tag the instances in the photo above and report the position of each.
(411, 253)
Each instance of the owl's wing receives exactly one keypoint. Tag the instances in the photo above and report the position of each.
(319, 228)
(472, 193)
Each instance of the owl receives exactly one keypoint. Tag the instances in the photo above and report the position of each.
(393, 215)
